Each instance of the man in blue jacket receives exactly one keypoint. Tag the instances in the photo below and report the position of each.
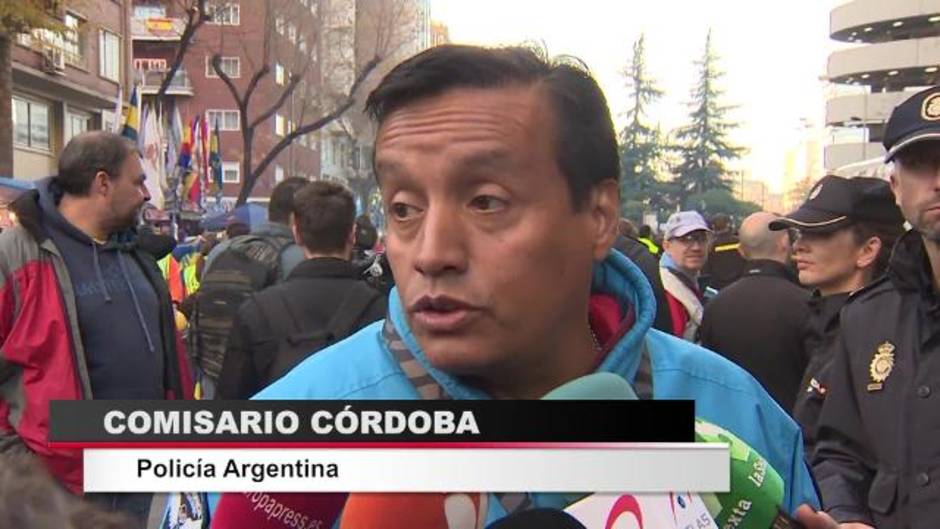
(498, 170)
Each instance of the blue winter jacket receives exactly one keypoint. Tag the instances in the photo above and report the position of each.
(361, 367)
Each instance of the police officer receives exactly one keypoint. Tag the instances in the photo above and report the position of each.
(878, 455)
(845, 231)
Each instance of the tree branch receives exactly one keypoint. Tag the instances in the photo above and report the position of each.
(217, 66)
(288, 90)
(196, 16)
(337, 111)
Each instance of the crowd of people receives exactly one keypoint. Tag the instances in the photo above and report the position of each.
(505, 271)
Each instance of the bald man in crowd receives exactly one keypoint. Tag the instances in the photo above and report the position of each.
(758, 322)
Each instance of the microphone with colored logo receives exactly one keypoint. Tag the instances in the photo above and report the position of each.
(280, 510)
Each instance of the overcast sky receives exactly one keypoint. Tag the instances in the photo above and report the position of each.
(773, 53)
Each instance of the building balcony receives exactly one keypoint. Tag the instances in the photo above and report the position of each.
(179, 86)
(842, 154)
(900, 63)
(157, 29)
(881, 21)
(862, 108)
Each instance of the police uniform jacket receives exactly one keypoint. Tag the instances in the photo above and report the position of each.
(878, 454)
(819, 340)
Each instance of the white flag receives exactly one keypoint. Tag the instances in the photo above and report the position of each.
(152, 158)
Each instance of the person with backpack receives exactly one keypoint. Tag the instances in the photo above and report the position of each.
(235, 269)
(323, 300)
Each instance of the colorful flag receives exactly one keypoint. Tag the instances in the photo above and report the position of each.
(131, 117)
(215, 160)
(195, 188)
(151, 149)
(174, 140)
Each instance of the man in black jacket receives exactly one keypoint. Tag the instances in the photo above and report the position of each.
(877, 461)
(725, 263)
(322, 301)
(757, 322)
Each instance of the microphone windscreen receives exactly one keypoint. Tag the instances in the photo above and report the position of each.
(543, 518)
(757, 489)
(457, 510)
(596, 386)
(277, 510)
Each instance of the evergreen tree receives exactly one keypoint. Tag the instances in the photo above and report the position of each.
(641, 146)
(704, 147)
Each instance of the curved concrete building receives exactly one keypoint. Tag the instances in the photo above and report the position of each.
(896, 51)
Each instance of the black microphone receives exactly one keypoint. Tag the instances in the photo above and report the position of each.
(542, 518)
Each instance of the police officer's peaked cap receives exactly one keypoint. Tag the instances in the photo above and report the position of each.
(916, 119)
(836, 202)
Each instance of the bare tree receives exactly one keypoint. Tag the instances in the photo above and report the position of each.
(197, 14)
(320, 102)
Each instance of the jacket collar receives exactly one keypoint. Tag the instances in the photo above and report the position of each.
(616, 276)
(771, 268)
(909, 268)
(323, 267)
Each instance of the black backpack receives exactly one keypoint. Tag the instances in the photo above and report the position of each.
(250, 263)
(292, 339)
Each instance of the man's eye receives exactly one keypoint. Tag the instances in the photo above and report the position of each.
(487, 203)
(402, 211)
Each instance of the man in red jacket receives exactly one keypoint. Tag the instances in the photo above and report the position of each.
(84, 313)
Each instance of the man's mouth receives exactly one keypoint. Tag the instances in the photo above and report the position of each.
(441, 314)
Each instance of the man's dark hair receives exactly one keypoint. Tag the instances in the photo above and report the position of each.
(646, 231)
(88, 153)
(585, 145)
(366, 234)
(721, 222)
(281, 204)
(324, 212)
(889, 235)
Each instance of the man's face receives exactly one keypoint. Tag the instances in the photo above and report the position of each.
(916, 186)
(492, 263)
(690, 251)
(126, 194)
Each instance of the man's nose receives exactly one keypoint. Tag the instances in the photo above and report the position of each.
(441, 244)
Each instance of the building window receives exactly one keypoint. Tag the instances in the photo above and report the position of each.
(227, 14)
(302, 44)
(75, 124)
(109, 56)
(150, 11)
(279, 25)
(279, 124)
(232, 66)
(31, 124)
(227, 119)
(292, 33)
(231, 173)
(280, 75)
(72, 41)
(278, 174)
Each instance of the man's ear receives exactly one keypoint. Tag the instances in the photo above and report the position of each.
(868, 253)
(295, 230)
(893, 180)
(605, 216)
(100, 184)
